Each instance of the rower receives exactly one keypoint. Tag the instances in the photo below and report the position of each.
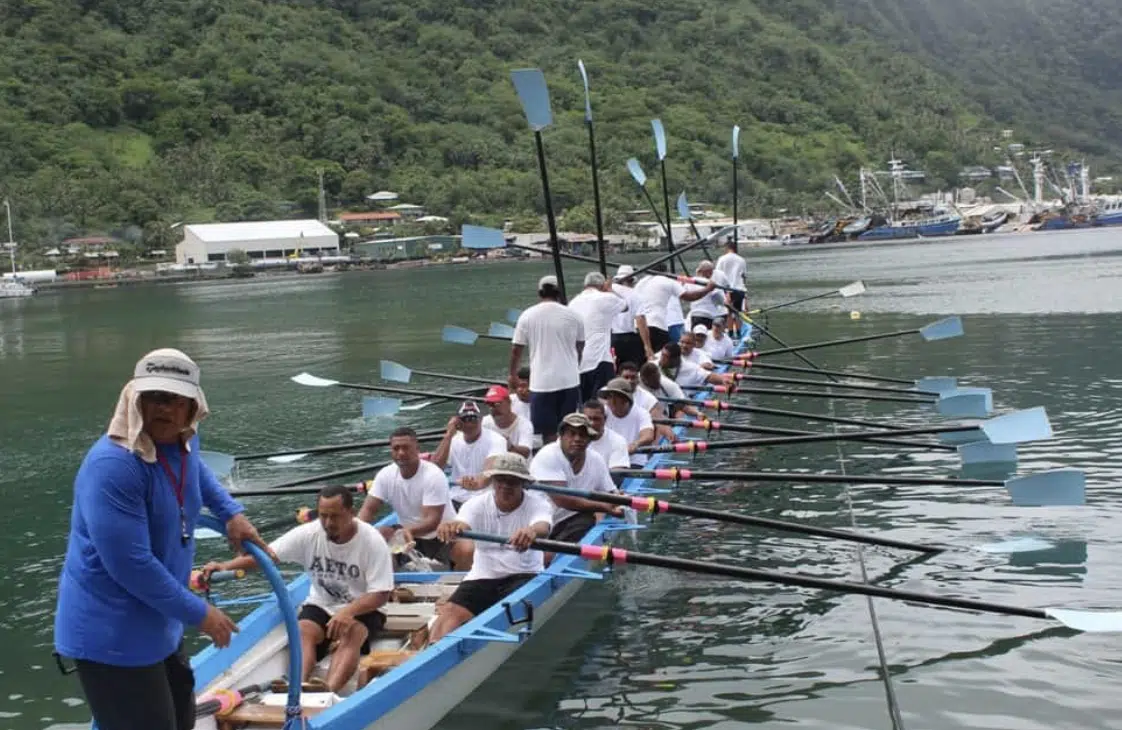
(466, 446)
(417, 492)
(351, 574)
(629, 371)
(693, 354)
(630, 337)
(735, 269)
(520, 394)
(555, 335)
(598, 305)
(718, 344)
(685, 373)
(517, 431)
(658, 293)
(507, 508)
(671, 394)
(611, 447)
(628, 420)
(711, 306)
(569, 461)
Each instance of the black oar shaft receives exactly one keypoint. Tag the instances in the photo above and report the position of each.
(768, 476)
(747, 428)
(837, 373)
(429, 435)
(805, 439)
(834, 343)
(411, 391)
(846, 386)
(455, 376)
(551, 221)
(741, 408)
(780, 342)
(329, 476)
(619, 555)
(600, 243)
(653, 505)
(919, 399)
(797, 301)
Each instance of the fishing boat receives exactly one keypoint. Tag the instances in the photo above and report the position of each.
(399, 684)
(940, 221)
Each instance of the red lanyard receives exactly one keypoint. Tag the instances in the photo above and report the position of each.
(178, 485)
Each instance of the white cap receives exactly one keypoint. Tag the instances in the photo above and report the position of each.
(700, 329)
(624, 272)
(594, 278)
(168, 370)
(545, 281)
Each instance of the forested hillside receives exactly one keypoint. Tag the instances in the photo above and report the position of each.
(117, 113)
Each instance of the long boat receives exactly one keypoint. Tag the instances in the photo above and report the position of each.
(398, 683)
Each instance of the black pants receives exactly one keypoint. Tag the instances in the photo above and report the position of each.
(659, 338)
(629, 348)
(154, 697)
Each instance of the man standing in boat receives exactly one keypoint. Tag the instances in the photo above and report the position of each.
(630, 338)
(417, 492)
(466, 446)
(598, 306)
(518, 431)
(712, 305)
(123, 600)
(658, 293)
(498, 570)
(735, 270)
(351, 572)
(555, 335)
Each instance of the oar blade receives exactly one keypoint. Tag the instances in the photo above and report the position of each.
(498, 329)
(1092, 622)
(736, 141)
(587, 96)
(660, 138)
(636, 171)
(286, 459)
(944, 329)
(221, 464)
(312, 381)
(395, 372)
(458, 335)
(966, 403)
(982, 453)
(417, 406)
(937, 384)
(851, 290)
(374, 406)
(512, 315)
(1030, 424)
(683, 206)
(481, 238)
(532, 91)
(1056, 488)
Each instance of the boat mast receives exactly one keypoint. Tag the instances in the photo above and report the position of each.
(11, 241)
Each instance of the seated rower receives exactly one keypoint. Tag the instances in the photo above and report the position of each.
(518, 431)
(611, 447)
(670, 394)
(569, 462)
(718, 344)
(499, 570)
(626, 419)
(466, 446)
(685, 373)
(351, 573)
(417, 492)
(690, 342)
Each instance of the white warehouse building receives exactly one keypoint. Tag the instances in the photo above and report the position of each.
(261, 240)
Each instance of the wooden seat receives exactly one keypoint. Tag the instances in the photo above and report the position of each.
(377, 663)
(258, 716)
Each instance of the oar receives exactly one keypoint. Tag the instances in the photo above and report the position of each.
(684, 212)
(288, 456)
(595, 171)
(660, 149)
(735, 187)
(640, 179)
(398, 373)
(372, 407)
(914, 391)
(327, 476)
(532, 91)
(767, 333)
(938, 384)
(649, 504)
(849, 290)
(1054, 488)
(224, 701)
(941, 330)
(709, 426)
(464, 336)
(1080, 620)
(357, 488)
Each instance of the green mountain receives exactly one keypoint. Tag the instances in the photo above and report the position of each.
(133, 114)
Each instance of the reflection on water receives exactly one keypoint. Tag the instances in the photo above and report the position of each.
(654, 648)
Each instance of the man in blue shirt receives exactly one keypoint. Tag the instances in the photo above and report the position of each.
(123, 600)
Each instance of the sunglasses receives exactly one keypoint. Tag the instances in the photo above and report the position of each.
(161, 398)
(469, 417)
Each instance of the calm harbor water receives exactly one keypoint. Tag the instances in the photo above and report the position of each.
(650, 648)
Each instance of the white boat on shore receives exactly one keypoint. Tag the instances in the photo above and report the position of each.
(14, 289)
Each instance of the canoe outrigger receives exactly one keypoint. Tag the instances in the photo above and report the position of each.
(399, 684)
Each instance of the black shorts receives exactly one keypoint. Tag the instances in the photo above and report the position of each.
(659, 338)
(592, 381)
(159, 695)
(696, 319)
(736, 298)
(547, 409)
(572, 529)
(373, 621)
(629, 348)
(435, 549)
(478, 595)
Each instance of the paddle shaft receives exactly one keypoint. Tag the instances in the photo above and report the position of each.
(838, 373)
(833, 343)
(412, 391)
(847, 386)
(430, 435)
(600, 243)
(708, 425)
(644, 504)
(682, 446)
(551, 221)
(618, 555)
(676, 474)
(821, 394)
(326, 477)
(741, 408)
(767, 333)
(772, 308)
(453, 376)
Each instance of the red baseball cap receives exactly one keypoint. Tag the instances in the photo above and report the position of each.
(496, 394)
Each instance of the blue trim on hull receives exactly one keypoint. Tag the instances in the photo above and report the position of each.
(927, 230)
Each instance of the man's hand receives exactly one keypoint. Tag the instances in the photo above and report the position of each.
(218, 626)
(339, 625)
(240, 530)
(453, 425)
(210, 569)
(521, 539)
(449, 530)
(472, 483)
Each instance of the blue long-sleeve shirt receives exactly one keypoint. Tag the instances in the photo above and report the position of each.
(122, 596)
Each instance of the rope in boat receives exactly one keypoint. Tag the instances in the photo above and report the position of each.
(882, 659)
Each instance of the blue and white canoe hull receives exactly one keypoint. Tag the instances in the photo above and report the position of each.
(421, 691)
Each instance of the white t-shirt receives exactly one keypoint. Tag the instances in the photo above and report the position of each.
(520, 408)
(690, 375)
(612, 448)
(340, 573)
(733, 266)
(597, 309)
(674, 314)
(713, 303)
(629, 427)
(643, 400)
(698, 357)
(427, 488)
(550, 464)
(667, 389)
(519, 433)
(656, 293)
(721, 349)
(624, 323)
(498, 561)
(551, 331)
(467, 459)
